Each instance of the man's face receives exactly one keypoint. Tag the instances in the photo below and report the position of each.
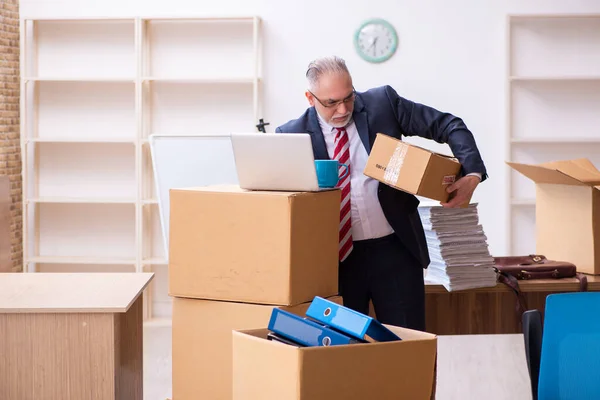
(333, 98)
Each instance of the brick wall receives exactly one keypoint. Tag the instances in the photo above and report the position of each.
(10, 150)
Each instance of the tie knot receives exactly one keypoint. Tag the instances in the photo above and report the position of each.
(340, 132)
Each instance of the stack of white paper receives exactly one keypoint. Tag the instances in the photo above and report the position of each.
(460, 258)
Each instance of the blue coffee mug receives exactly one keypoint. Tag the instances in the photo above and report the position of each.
(328, 172)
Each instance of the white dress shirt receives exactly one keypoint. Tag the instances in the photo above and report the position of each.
(368, 220)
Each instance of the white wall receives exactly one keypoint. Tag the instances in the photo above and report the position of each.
(451, 56)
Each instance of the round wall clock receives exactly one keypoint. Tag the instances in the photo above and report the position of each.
(376, 40)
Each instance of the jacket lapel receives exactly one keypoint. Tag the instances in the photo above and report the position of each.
(318, 141)
(316, 135)
(360, 120)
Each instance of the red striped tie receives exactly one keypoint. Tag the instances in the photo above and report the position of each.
(342, 154)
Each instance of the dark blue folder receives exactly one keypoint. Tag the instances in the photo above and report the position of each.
(348, 321)
(306, 332)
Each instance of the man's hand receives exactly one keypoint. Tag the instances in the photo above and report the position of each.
(461, 191)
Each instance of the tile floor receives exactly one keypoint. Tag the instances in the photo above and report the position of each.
(157, 361)
(496, 367)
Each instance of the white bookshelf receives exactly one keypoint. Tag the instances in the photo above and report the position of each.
(93, 90)
(553, 93)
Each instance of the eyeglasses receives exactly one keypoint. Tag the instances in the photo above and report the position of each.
(335, 103)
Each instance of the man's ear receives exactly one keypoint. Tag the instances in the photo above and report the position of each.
(310, 98)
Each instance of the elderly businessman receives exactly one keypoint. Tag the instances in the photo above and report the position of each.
(382, 244)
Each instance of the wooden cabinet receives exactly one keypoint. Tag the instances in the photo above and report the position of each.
(72, 335)
(490, 310)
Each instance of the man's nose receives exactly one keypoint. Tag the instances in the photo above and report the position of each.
(342, 108)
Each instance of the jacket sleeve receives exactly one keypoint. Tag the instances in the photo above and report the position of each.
(417, 119)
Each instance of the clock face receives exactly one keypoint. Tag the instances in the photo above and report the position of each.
(376, 40)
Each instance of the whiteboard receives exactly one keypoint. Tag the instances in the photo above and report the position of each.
(181, 161)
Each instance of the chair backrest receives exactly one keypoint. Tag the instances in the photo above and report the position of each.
(532, 334)
(570, 362)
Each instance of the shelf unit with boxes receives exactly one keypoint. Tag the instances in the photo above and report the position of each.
(93, 90)
(553, 94)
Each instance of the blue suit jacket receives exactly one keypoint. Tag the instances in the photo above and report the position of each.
(382, 110)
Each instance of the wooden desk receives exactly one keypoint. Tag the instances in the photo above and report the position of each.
(490, 310)
(71, 335)
(490, 367)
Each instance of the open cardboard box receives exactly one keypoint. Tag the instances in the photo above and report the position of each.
(267, 370)
(411, 168)
(567, 211)
(202, 343)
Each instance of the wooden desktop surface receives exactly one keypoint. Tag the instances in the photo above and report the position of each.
(533, 285)
(70, 292)
(72, 336)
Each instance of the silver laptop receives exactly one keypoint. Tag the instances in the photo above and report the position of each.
(271, 161)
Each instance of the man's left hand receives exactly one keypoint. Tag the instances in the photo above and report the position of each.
(461, 191)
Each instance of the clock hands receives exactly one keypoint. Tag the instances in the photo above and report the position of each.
(373, 44)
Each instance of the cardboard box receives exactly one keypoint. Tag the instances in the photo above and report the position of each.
(266, 370)
(567, 211)
(202, 343)
(261, 247)
(411, 168)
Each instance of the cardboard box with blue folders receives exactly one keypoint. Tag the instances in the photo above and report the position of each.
(332, 352)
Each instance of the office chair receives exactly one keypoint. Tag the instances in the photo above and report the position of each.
(570, 355)
(532, 333)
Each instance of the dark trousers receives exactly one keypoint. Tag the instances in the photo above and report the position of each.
(384, 271)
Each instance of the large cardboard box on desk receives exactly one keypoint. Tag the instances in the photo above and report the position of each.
(267, 370)
(202, 343)
(567, 211)
(411, 168)
(262, 247)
